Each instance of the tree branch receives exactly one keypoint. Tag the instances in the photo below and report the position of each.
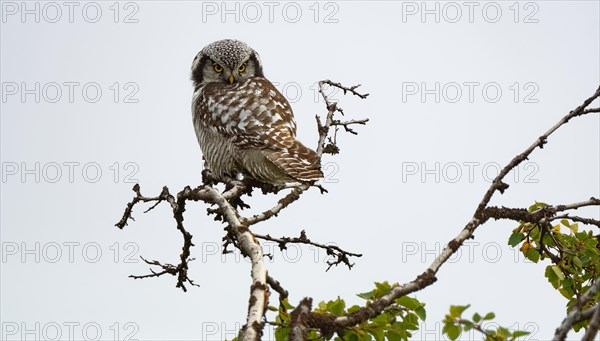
(594, 325)
(479, 217)
(298, 320)
(340, 255)
(346, 124)
(275, 285)
(574, 315)
(178, 207)
(542, 215)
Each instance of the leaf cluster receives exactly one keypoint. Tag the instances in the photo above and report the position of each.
(574, 256)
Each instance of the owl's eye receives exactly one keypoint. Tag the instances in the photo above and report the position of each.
(242, 68)
(218, 68)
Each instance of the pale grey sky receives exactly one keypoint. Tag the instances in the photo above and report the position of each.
(96, 96)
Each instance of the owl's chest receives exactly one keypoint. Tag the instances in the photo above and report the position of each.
(219, 152)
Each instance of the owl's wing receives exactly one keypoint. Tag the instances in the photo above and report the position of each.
(255, 115)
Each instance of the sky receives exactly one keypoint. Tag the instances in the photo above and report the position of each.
(96, 97)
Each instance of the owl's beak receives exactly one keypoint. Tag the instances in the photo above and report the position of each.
(231, 79)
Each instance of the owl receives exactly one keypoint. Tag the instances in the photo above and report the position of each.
(244, 125)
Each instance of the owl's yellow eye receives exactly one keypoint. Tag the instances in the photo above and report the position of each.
(242, 68)
(218, 68)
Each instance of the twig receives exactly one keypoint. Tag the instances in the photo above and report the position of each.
(332, 250)
(167, 269)
(346, 124)
(351, 89)
(283, 203)
(332, 107)
(591, 202)
(275, 285)
(178, 207)
(587, 221)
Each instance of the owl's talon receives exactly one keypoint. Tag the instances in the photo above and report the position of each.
(207, 178)
(321, 188)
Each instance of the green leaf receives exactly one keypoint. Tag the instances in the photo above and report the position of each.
(549, 241)
(272, 308)
(457, 310)
(421, 312)
(574, 228)
(281, 333)
(519, 333)
(591, 243)
(532, 254)
(378, 334)
(336, 307)
(453, 331)
(287, 304)
(380, 320)
(353, 309)
(408, 302)
(567, 288)
(504, 332)
(393, 336)
(383, 288)
(552, 277)
(411, 319)
(366, 295)
(534, 233)
(489, 316)
(351, 337)
(515, 239)
(558, 272)
(577, 262)
(536, 206)
(476, 318)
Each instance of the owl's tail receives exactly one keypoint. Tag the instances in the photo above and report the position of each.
(298, 162)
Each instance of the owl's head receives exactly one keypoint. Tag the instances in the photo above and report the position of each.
(226, 61)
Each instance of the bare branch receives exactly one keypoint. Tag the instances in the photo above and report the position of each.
(542, 215)
(178, 207)
(138, 198)
(283, 203)
(351, 89)
(587, 221)
(341, 256)
(346, 124)
(180, 271)
(275, 285)
(591, 202)
(332, 107)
